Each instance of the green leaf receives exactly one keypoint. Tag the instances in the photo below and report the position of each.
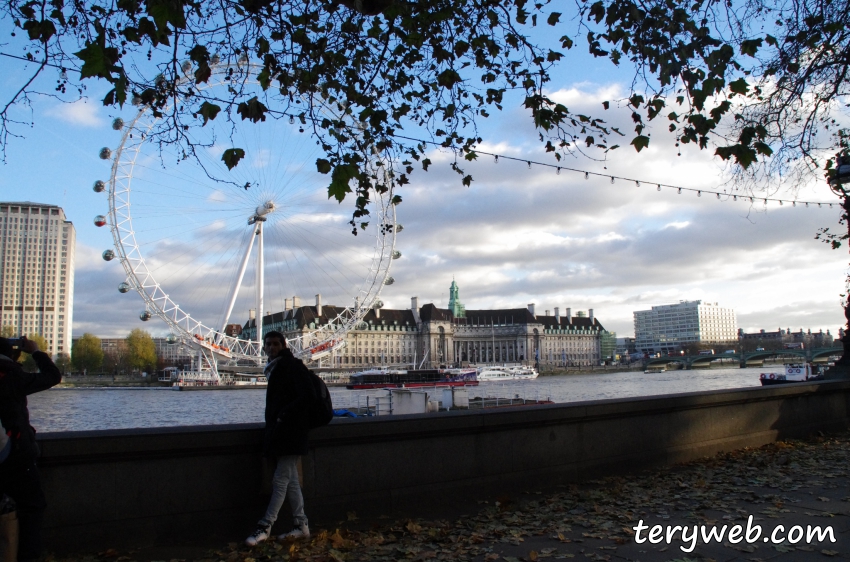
(750, 47)
(448, 78)
(96, 60)
(323, 166)
(340, 178)
(640, 142)
(208, 111)
(252, 110)
(232, 156)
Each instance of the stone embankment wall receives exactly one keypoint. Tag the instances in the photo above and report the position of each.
(124, 488)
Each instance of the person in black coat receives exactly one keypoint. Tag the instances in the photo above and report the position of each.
(19, 478)
(288, 397)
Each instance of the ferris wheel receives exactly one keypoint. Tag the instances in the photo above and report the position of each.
(206, 246)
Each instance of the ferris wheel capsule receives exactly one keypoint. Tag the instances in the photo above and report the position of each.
(396, 254)
(100, 220)
(389, 281)
(171, 339)
(399, 227)
(99, 186)
(118, 124)
(108, 255)
(105, 153)
(123, 287)
(145, 316)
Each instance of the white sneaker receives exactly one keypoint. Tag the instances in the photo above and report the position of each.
(300, 532)
(258, 536)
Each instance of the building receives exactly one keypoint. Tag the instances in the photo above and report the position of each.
(37, 272)
(671, 327)
(429, 336)
(777, 339)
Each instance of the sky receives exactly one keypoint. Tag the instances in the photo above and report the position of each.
(517, 235)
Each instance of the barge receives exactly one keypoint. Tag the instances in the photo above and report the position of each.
(411, 378)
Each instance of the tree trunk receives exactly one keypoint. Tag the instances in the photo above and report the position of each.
(841, 370)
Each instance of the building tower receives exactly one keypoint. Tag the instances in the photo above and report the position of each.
(37, 272)
(455, 305)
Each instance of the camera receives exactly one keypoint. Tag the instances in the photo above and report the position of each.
(16, 343)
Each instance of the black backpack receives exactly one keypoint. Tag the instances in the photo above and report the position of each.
(321, 411)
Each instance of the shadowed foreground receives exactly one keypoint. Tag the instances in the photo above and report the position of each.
(789, 483)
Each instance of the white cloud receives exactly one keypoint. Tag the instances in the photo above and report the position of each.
(516, 236)
(82, 112)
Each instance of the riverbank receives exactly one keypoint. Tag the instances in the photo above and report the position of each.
(591, 370)
(112, 384)
(792, 484)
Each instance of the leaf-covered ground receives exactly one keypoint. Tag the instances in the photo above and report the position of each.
(788, 483)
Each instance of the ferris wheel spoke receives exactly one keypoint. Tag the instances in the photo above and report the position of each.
(188, 225)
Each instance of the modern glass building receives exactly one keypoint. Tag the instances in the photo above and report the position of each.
(670, 327)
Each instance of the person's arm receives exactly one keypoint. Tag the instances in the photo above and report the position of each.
(304, 394)
(48, 374)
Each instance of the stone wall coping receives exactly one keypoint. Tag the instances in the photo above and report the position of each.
(61, 448)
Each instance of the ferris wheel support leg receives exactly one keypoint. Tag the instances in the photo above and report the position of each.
(260, 283)
(238, 281)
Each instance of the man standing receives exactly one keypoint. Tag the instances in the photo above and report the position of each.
(288, 397)
(19, 477)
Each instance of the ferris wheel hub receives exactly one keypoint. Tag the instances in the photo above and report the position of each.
(261, 211)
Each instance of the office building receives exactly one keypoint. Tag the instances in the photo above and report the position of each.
(37, 272)
(672, 327)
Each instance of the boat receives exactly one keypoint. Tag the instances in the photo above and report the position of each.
(411, 378)
(655, 369)
(499, 373)
(248, 382)
(793, 372)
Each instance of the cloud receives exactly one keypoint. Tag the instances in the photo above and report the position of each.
(80, 112)
(518, 235)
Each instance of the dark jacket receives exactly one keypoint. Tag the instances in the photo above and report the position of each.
(15, 385)
(288, 396)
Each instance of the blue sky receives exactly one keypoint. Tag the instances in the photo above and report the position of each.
(516, 236)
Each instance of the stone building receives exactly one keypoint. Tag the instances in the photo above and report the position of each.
(770, 340)
(429, 336)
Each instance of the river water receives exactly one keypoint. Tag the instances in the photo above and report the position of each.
(61, 409)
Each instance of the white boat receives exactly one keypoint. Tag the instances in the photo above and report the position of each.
(497, 373)
(794, 372)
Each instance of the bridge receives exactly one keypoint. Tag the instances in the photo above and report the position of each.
(817, 355)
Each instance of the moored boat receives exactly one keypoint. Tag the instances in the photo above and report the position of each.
(793, 372)
(411, 378)
(499, 373)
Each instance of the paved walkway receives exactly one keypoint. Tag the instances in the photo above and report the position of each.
(798, 485)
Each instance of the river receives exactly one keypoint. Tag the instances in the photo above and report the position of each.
(76, 409)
